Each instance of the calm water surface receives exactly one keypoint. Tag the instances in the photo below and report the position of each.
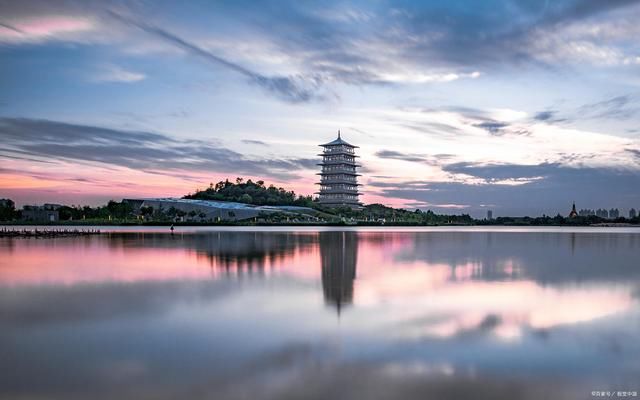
(321, 314)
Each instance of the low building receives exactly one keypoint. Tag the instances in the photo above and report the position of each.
(212, 211)
(39, 214)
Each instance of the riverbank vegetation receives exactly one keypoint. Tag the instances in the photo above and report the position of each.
(249, 192)
(260, 194)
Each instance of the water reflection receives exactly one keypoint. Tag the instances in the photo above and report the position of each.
(339, 256)
(237, 315)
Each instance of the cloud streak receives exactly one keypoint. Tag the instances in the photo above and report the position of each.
(434, 159)
(147, 151)
(516, 189)
(287, 88)
(114, 73)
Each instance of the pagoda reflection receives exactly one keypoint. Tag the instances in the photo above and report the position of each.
(339, 256)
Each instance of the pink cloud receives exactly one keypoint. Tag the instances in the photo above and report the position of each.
(33, 29)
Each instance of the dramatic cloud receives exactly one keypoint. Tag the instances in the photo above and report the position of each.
(533, 33)
(635, 152)
(544, 115)
(291, 89)
(551, 117)
(620, 107)
(151, 152)
(529, 83)
(429, 159)
(37, 29)
(493, 127)
(523, 189)
(335, 43)
(498, 172)
(395, 155)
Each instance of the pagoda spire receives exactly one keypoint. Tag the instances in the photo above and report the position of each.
(338, 133)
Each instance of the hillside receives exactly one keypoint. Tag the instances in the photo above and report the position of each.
(258, 193)
(250, 192)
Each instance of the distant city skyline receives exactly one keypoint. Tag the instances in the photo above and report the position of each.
(518, 107)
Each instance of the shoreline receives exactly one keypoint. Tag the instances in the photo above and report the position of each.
(335, 224)
(45, 233)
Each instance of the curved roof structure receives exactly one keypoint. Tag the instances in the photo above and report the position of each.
(338, 142)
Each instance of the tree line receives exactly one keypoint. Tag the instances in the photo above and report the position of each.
(250, 192)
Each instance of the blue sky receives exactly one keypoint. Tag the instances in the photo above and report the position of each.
(458, 106)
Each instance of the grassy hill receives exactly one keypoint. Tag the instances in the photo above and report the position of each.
(250, 192)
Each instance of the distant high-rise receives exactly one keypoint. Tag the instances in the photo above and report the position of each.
(632, 213)
(489, 214)
(338, 178)
(586, 212)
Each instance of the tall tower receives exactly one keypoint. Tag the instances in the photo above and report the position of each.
(573, 212)
(339, 257)
(338, 178)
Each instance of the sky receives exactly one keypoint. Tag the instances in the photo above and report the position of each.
(519, 107)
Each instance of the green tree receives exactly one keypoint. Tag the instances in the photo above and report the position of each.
(7, 210)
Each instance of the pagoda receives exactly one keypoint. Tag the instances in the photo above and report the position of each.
(573, 212)
(338, 177)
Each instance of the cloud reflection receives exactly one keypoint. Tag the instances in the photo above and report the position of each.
(251, 314)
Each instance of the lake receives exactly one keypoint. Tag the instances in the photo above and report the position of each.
(312, 313)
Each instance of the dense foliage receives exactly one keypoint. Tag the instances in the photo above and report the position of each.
(258, 193)
(7, 210)
(113, 210)
(378, 213)
(250, 192)
(558, 220)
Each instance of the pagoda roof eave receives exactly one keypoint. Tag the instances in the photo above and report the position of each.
(338, 183)
(338, 173)
(340, 163)
(338, 192)
(340, 143)
(338, 153)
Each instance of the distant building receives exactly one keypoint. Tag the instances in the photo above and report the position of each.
(210, 210)
(39, 214)
(489, 214)
(606, 214)
(338, 177)
(573, 212)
